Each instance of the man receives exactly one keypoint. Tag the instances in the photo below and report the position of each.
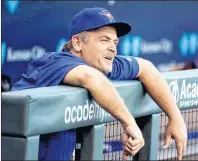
(89, 59)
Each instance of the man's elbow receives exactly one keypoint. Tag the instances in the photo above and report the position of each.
(145, 67)
(83, 76)
(92, 78)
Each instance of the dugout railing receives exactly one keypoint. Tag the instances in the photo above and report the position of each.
(35, 116)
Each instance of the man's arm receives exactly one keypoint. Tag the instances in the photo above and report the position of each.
(158, 89)
(105, 94)
(101, 90)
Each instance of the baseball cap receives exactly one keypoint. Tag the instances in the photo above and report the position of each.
(93, 18)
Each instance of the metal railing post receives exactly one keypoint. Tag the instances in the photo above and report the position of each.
(150, 126)
(92, 143)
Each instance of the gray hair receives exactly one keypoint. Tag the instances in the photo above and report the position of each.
(68, 45)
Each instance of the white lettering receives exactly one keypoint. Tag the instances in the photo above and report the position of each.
(91, 111)
(26, 54)
(187, 96)
(79, 113)
(37, 52)
(166, 45)
(188, 90)
(196, 102)
(188, 103)
(17, 55)
(162, 46)
(73, 116)
(86, 111)
(102, 113)
(181, 104)
(67, 114)
(150, 47)
(194, 90)
(83, 113)
(97, 111)
(183, 90)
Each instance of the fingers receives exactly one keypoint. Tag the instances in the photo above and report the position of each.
(132, 140)
(133, 146)
(131, 150)
(181, 147)
(185, 145)
(135, 151)
(167, 140)
(135, 142)
(125, 138)
(125, 155)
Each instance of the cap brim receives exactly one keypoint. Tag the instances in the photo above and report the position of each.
(122, 28)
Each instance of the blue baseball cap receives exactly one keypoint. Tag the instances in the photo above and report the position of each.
(93, 18)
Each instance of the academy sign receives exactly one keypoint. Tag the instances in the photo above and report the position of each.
(185, 93)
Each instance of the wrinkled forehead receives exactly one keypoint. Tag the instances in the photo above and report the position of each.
(104, 31)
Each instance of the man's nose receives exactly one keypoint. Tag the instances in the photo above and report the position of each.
(112, 48)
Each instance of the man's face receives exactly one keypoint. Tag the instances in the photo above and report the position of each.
(100, 49)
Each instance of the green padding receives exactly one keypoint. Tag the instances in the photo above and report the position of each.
(14, 148)
(58, 108)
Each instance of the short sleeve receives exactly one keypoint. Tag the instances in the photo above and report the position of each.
(124, 68)
(48, 70)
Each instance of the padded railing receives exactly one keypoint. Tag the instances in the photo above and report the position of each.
(29, 115)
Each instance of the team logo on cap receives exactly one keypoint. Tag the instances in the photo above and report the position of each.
(107, 14)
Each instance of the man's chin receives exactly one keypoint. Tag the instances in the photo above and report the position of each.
(107, 70)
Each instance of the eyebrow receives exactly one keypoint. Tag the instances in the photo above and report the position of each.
(117, 40)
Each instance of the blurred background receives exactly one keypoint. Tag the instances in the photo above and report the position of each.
(164, 32)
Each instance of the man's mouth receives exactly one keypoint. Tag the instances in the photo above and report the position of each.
(108, 58)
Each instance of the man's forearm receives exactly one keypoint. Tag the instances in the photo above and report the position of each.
(108, 98)
(158, 89)
(102, 90)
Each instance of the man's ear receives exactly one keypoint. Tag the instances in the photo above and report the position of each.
(76, 42)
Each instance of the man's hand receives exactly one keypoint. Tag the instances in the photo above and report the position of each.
(177, 130)
(153, 81)
(132, 140)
